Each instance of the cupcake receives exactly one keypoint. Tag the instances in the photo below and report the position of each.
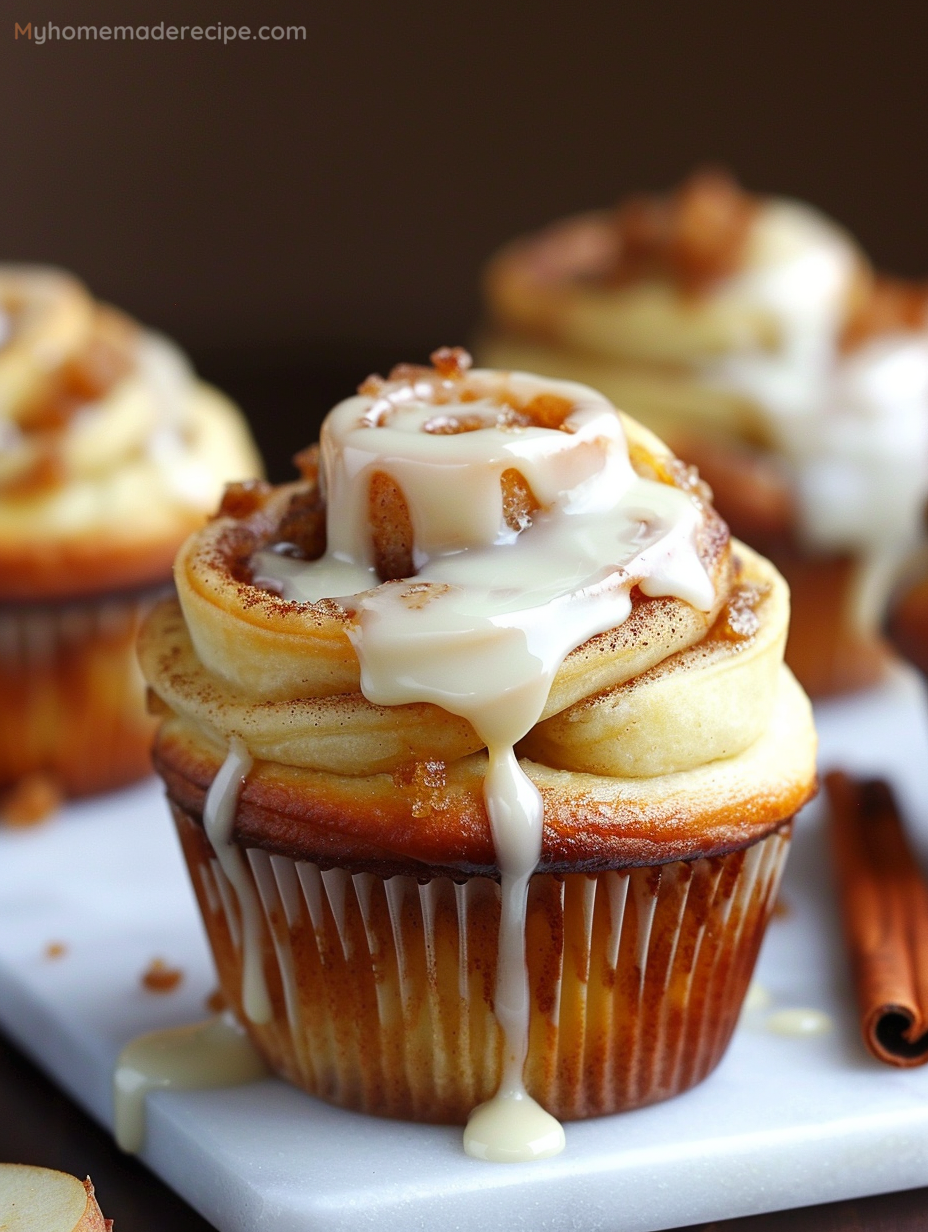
(111, 453)
(482, 756)
(753, 335)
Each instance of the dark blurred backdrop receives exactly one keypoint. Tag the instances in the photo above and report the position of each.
(298, 212)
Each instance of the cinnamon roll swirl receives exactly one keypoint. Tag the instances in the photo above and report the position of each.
(483, 756)
(111, 453)
(753, 335)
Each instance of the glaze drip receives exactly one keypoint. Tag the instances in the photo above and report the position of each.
(215, 1053)
(218, 819)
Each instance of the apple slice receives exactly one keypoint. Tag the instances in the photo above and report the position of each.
(41, 1198)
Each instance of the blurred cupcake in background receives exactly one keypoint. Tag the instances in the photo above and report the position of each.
(111, 453)
(753, 335)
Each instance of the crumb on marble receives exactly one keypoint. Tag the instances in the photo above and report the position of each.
(160, 977)
(34, 799)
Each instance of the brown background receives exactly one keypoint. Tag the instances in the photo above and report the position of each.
(296, 212)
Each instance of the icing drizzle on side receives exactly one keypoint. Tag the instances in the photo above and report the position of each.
(218, 820)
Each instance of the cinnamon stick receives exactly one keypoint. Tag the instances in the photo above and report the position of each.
(884, 904)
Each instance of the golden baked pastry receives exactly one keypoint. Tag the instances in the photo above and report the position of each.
(752, 334)
(483, 756)
(111, 453)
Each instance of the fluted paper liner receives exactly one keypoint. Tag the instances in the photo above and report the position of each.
(72, 697)
(383, 988)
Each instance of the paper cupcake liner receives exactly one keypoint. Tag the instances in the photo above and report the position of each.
(72, 697)
(382, 989)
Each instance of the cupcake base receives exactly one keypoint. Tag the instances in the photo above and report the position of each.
(382, 988)
(72, 697)
(828, 652)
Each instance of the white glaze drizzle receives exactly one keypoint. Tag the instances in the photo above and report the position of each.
(217, 1052)
(218, 820)
(214, 1053)
(853, 428)
(492, 612)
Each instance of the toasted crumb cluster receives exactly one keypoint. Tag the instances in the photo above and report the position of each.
(159, 977)
(694, 236)
(34, 799)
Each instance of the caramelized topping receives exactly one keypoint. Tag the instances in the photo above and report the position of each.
(107, 358)
(303, 524)
(547, 410)
(519, 501)
(738, 620)
(695, 236)
(451, 363)
(307, 461)
(240, 500)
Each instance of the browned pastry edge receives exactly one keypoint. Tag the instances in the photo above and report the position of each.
(431, 820)
(71, 569)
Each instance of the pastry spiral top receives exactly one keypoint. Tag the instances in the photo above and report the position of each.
(711, 312)
(111, 451)
(486, 558)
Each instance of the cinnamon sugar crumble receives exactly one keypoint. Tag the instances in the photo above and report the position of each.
(215, 1002)
(307, 461)
(158, 977)
(372, 386)
(687, 477)
(738, 620)
(303, 524)
(451, 363)
(694, 236)
(46, 472)
(428, 780)
(31, 801)
(548, 411)
(107, 357)
(240, 500)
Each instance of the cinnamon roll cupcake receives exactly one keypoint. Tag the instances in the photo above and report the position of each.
(482, 755)
(111, 453)
(752, 334)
